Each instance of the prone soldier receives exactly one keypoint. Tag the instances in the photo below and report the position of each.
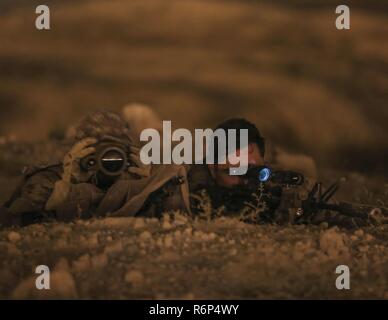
(101, 175)
(268, 194)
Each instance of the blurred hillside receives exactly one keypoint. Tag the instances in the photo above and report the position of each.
(283, 64)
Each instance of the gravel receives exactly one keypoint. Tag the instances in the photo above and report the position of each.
(141, 258)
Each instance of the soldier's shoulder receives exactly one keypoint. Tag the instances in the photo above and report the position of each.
(198, 176)
(36, 173)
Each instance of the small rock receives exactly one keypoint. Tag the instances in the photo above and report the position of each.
(139, 223)
(369, 237)
(61, 228)
(145, 235)
(14, 237)
(159, 242)
(212, 236)
(99, 261)
(62, 264)
(134, 277)
(188, 296)
(82, 264)
(115, 222)
(166, 225)
(198, 234)
(168, 241)
(61, 244)
(333, 244)
(359, 233)
(188, 232)
(169, 256)
(37, 229)
(90, 242)
(114, 247)
(364, 249)
(25, 289)
(233, 252)
(62, 286)
(180, 220)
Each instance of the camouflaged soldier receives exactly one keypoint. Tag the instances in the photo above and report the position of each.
(214, 180)
(270, 202)
(101, 175)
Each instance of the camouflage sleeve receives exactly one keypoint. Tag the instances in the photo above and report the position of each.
(31, 201)
(81, 201)
(30, 205)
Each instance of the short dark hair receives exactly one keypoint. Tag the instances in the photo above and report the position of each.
(254, 135)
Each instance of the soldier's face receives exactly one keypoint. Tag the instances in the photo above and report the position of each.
(221, 172)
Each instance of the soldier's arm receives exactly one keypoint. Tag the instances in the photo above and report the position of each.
(77, 201)
(71, 172)
(59, 195)
(73, 200)
(29, 206)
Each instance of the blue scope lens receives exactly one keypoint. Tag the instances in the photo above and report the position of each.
(264, 174)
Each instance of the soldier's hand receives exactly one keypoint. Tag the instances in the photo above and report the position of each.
(71, 163)
(139, 168)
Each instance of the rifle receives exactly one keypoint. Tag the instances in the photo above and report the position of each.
(317, 199)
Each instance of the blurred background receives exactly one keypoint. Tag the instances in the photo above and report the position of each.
(282, 64)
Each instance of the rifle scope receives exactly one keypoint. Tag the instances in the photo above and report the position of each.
(284, 177)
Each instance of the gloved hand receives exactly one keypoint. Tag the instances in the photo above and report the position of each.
(71, 163)
(71, 172)
(140, 169)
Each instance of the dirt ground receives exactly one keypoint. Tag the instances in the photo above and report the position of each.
(178, 257)
(136, 258)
